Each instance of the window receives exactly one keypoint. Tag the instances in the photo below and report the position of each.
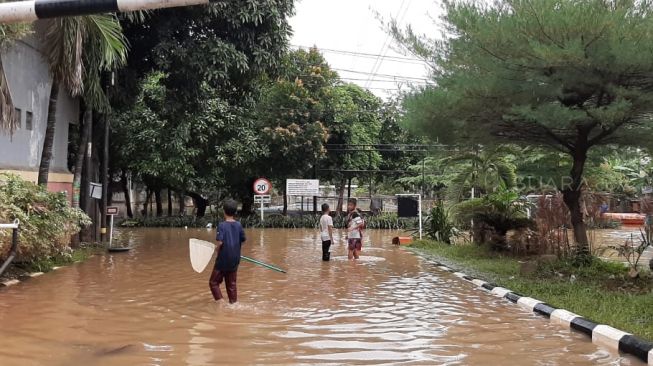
(18, 116)
(28, 120)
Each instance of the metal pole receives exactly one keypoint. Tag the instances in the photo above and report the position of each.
(105, 181)
(31, 10)
(14, 243)
(111, 230)
(419, 209)
(262, 211)
(423, 160)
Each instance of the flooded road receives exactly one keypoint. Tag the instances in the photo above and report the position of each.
(148, 307)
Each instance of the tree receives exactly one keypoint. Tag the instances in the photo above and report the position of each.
(214, 61)
(292, 115)
(71, 43)
(9, 33)
(568, 75)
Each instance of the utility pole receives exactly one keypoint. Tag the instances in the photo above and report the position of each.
(105, 172)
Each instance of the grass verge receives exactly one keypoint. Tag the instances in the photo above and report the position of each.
(597, 290)
(80, 254)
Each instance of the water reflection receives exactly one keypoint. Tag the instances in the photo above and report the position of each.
(148, 307)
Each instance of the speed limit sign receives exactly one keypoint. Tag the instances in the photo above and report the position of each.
(262, 186)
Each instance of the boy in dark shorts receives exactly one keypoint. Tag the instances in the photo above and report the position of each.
(355, 245)
(326, 232)
(230, 237)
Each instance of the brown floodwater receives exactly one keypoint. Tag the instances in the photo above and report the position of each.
(148, 307)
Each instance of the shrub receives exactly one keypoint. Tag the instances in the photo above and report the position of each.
(309, 221)
(46, 219)
(494, 215)
(438, 225)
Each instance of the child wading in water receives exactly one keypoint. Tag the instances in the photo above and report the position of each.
(326, 232)
(355, 226)
(230, 237)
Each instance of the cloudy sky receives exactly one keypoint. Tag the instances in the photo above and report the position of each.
(350, 35)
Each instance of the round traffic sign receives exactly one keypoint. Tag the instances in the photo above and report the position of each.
(262, 186)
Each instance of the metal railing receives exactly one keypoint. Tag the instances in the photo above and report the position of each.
(14, 244)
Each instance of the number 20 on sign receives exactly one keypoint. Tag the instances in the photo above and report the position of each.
(262, 186)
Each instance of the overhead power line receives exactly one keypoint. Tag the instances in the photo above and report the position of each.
(413, 60)
(383, 75)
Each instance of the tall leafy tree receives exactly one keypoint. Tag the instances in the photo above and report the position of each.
(215, 59)
(292, 115)
(77, 49)
(565, 74)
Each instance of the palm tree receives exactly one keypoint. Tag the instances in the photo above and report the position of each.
(484, 170)
(78, 49)
(9, 33)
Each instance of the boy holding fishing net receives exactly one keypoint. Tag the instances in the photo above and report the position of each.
(230, 237)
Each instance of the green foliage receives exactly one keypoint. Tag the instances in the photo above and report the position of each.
(188, 94)
(384, 221)
(539, 73)
(493, 215)
(438, 225)
(46, 219)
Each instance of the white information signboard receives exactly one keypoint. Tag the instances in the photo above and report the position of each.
(302, 187)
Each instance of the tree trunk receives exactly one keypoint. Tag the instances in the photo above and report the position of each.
(200, 203)
(248, 204)
(159, 203)
(182, 203)
(341, 196)
(349, 190)
(169, 202)
(125, 190)
(571, 194)
(147, 202)
(79, 165)
(48, 141)
(81, 153)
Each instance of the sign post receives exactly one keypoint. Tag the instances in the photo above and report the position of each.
(419, 209)
(111, 211)
(303, 188)
(262, 187)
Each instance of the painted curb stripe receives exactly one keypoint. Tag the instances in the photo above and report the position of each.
(637, 347)
(10, 283)
(607, 336)
(528, 303)
(500, 291)
(36, 274)
(564, 317)
(63, 8)
(544, 309)
(459, 274)
(514, 297)
(488, 286)
(583, 325)
(479, 283)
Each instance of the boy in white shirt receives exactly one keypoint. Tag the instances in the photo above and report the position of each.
(326, 232)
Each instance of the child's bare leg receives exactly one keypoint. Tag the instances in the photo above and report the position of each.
(350, 254)
(357, 253)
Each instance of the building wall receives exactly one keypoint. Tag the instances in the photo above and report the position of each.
(29, 82)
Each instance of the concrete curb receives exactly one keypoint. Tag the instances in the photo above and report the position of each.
(601, 334)
(24, 278)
